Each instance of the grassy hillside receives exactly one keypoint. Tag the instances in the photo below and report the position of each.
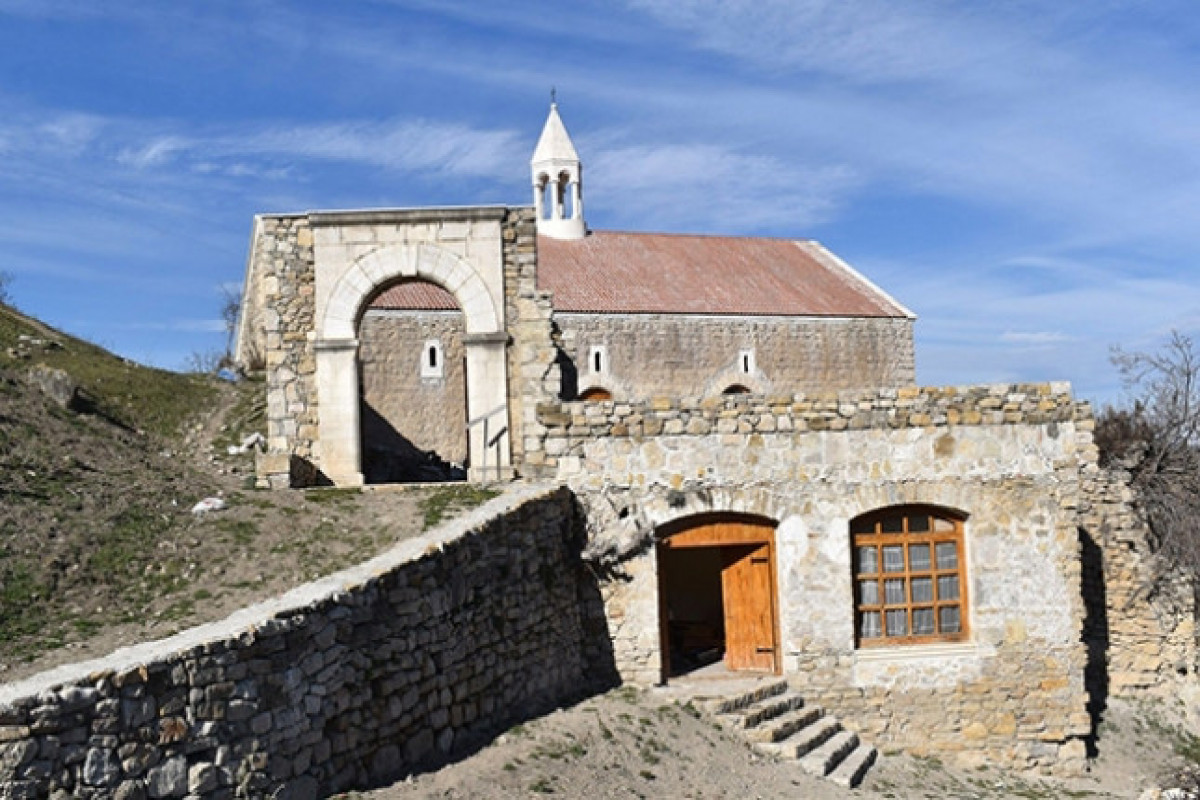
(87, 490)
(98, 545)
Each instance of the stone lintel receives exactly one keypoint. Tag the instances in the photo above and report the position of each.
(333, 345)
(495, 337)
(383, 216)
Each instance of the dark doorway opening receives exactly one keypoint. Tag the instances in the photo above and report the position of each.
(694, 607)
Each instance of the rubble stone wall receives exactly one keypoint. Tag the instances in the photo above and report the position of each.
(1140, 629)
(533, 370)
(1007, 457)
(360, 677)
(277, 324)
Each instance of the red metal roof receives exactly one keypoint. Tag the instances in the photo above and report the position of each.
(631, 273)
(416, 295)
(686, 274)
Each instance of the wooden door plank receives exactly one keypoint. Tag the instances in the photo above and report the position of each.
(749, 618)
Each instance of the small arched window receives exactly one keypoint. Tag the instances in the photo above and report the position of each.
(736, 388)
(596, 394)
(910, 582)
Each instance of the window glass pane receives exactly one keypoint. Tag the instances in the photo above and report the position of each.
(918, 557)
(947, 587)
(918, 525)
(868, 593)
(947, 555)
(949, 620)
(868, 559)
(893, 558)
(922, 591)
(892, 524)
(897, 623)
(862, 526)
(943, 525)
(922, 621)
(893, 591)
(869, 625)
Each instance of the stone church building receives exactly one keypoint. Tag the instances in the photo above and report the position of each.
(761, 479)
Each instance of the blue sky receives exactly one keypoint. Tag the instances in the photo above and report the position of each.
(1024, 175)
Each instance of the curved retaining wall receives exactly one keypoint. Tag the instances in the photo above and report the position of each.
(354, 679)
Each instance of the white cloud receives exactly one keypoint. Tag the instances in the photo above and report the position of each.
(407, 145)
(1034, 338)
(154, 153)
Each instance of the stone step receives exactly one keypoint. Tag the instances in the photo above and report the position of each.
(733, 703)
(785, 726)
(850, 772)
(757, 713)
(807, 739)
(822, 760)
(775, 720)
(781, 730)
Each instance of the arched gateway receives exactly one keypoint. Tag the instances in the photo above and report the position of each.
(347, 277)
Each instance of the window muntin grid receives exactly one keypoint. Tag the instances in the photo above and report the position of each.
(910, 586)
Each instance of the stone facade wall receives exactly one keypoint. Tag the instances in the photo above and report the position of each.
(282, 319)
(533, 369)
(1007, 457)
(360, 677)
(400, 400)
(700, 356)
(1142, 641)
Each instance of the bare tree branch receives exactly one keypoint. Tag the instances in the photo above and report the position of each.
(1158, 441)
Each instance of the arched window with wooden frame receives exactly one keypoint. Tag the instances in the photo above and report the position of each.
(910, 577)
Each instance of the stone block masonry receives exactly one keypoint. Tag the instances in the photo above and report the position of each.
(1008, 458)
(355, 679)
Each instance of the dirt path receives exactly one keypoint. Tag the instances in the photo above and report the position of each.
(632, 743)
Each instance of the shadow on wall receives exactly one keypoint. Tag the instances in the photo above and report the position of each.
(1095, 632)
(390, 457)
(569, 373)
(566, 586)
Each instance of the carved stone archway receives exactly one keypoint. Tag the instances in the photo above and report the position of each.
(336, 348)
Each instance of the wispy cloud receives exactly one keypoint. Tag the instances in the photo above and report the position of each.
(701, 186)
(401, 144)
(1034, 338)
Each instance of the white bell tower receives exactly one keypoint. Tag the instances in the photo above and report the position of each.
(557, 181)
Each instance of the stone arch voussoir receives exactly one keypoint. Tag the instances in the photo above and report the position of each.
(419, 262)
(874, 498)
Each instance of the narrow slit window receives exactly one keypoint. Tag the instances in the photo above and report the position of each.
(432, 359)
(598, 359)
(746, 364)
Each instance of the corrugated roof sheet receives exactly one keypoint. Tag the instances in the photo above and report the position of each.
(685, 274)
(632, 273)
(416, 295)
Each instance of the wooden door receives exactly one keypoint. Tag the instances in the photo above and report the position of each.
(747, 584)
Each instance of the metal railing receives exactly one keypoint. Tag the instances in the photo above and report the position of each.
(489, 439)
